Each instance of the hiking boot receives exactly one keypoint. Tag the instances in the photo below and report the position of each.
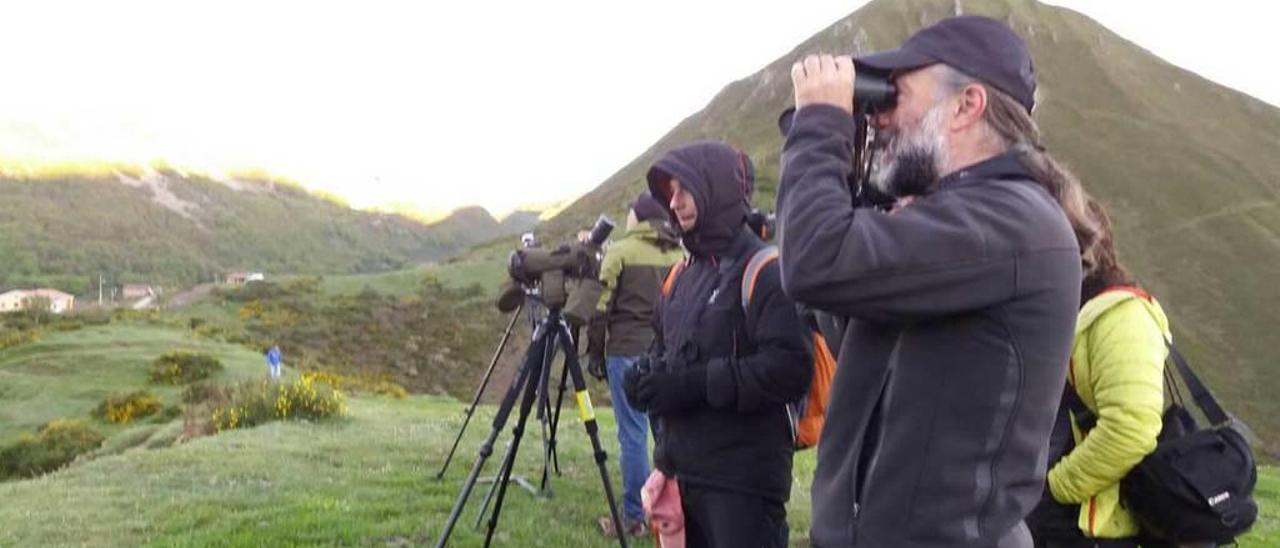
(633, 528)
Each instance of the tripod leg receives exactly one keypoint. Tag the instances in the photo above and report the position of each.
(522, 380)
(471, 409)
(526, 405)
(493, 488)
(534, 381)
(588, 415)
(544, 416)
(555, 422)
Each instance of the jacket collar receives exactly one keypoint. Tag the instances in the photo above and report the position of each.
(743, 244)
(1112, 298)
(1006, 166)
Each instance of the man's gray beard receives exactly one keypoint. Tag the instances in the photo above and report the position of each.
(912, 162)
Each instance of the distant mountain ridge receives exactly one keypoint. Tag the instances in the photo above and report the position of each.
(1189, 169)
(163, 226)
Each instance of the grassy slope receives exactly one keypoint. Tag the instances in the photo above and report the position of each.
(484, 265)
(362, 480)
(1187, 167)
(67, 374)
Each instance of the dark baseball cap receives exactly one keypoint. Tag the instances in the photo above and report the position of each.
(978, 46)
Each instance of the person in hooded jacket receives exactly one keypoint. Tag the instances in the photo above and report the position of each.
(622, 331)
(719, 377)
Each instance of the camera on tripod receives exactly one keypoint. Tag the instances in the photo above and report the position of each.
(565, 280)
(566, 276)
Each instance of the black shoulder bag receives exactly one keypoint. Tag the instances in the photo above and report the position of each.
(1197, 486)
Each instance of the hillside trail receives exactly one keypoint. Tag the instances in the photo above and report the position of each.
(1233, 210)
(191, 295)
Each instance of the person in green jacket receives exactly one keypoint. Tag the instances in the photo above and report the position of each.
(622, 330)
(1117, 370)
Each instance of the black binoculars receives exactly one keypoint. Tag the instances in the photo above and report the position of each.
(873, 93)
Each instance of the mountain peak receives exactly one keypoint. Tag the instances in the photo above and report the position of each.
(1187, 168)
(472, 214)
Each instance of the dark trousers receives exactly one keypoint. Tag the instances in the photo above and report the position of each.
(716, 518)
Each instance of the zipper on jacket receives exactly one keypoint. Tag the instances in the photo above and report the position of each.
(1006, 418)
(1093, 509)
(853, 524)
(882, 403)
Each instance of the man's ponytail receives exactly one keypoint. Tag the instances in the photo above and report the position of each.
(1011, 125)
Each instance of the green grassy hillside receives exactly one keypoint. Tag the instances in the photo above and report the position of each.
(173, 229)
(1188, 168)
(67, 374)
(366, 480)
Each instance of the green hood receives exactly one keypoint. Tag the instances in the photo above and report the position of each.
(656, 232)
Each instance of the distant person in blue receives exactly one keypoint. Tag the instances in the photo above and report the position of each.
(273, 361)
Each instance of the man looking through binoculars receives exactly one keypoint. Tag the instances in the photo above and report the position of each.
(958, 308)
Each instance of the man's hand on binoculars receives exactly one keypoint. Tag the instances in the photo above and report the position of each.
(824, 80)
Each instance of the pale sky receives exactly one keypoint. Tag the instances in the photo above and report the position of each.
(445, 104)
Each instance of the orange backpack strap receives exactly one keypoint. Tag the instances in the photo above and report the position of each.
(807, 415)
(751, 273)
(808, 427)
(670, 282)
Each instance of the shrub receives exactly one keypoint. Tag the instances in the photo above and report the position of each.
(243, 339)
(204, 392)
(68, 325)
(180, 367)
(168, 413)
(10, 339)
(372, 384)
(59, 442)
(257, 402)
(126, 408)
(94, 317)
(200, 399)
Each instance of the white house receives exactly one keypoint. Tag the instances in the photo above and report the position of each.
(241, 278)
(21, 299)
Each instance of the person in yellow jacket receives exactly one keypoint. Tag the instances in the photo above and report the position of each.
(1117, 372)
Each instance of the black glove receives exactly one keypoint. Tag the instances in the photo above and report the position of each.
(667, 393)
(631, 382)
(598, 368)
(596, 329)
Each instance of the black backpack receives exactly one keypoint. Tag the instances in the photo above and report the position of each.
(1197, 485)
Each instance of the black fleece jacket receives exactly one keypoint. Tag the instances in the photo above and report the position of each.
(958, 315)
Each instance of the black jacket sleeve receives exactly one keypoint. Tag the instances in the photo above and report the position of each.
(661, 461)
(931, 259)
(780, 367)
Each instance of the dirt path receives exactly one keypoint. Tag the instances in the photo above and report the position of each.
(191, 295)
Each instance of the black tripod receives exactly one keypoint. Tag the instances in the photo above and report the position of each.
(484, 383)
(550, 335)
(549, 422)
